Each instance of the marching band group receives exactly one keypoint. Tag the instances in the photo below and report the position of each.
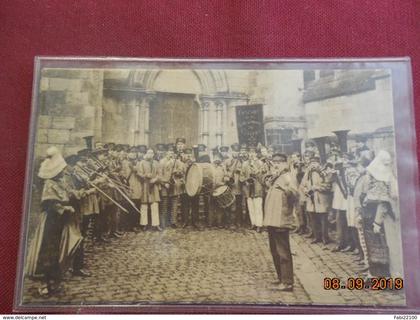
(111, 189)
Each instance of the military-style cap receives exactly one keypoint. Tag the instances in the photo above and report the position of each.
(99, 149)
(125, 147)
(310, 144)
(217, 156)
(72, 159)
(170, 147)
(244, 147)
(132, 155)
(180, 140)
(132, 149)
(142, 148)
(188, 151)
(315, 158)
(280, 156)
(118, 147)
(236, 147)
(224, 149)
(99, 145)
(83, 152)
(161, 147)
(202, 147)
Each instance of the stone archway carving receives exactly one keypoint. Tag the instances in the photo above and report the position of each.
(211, 81)
(212, 101)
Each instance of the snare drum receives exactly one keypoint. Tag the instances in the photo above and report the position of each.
(223, 196)
(199, 179)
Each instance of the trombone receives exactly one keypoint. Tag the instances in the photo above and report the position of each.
(87, 179)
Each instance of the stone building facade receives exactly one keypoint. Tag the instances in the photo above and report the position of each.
(150, 106)
(344, 105)
(70, 107)
(157, 106)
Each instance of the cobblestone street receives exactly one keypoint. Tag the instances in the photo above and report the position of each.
(210, 266)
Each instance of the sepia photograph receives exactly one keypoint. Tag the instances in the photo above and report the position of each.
(211, 184)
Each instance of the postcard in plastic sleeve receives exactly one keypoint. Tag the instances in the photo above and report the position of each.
(203, 185)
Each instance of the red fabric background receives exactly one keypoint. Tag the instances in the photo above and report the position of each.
(218, 28)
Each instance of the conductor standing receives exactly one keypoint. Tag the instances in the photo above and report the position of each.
(279, 219)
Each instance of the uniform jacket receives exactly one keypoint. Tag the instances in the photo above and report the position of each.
(172, 172)
(148, 171)
(219, 175)
(251, 179)
(233, 169)
(278, 209)
(129, 172)
(317, 188)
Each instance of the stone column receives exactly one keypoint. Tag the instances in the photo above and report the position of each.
(219, 123)
(205, 122)
(342, 139)
(143, 128)
(137, 121)
(320, 142)
(146, 107)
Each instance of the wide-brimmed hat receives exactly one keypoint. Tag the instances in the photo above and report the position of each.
(53, 165)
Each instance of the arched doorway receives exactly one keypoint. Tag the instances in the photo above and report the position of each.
(175, 108)
(158, 105)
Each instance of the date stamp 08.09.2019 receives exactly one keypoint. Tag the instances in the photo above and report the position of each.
(364, 284)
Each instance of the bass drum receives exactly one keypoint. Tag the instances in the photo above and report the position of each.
(199, 179)
(223, 196)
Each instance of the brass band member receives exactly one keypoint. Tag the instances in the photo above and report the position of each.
(129, 170)
(233, 167)
(106, 207)
(297, 171)
(339, 204)
(218, 215)
(164, 214)
(279, 220)
(253, 189)
(149, 173)
(77, 190)
(188, 207)
(317, 188)
(173, 183)
(202, 156)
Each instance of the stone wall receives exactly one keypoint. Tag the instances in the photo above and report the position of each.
(70, 104)
(360, 112)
